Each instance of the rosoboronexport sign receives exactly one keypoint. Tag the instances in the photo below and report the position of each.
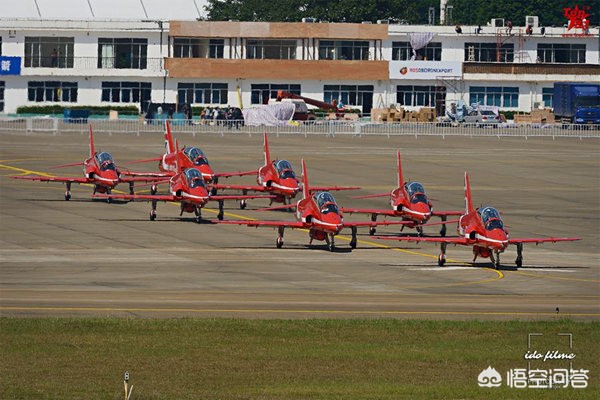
(424, 69)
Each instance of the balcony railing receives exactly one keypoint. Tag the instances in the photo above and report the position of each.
(88, 63)
(533, 68)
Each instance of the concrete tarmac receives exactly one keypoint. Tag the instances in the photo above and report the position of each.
(87, 257)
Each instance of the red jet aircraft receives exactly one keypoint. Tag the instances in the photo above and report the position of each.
(319, 214)
(189, 189)
(408, 201)
(276, 177)
(175, 160)
(99, 170)
(483, 229)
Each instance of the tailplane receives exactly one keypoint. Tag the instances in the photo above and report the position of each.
(92, 150)
(305, 189)
(468, 198)
(400, 177)
(266, 149)
(168, 139)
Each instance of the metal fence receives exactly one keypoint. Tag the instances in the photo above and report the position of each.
(330, 128)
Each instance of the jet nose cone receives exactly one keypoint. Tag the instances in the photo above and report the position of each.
(499, 236)
(290, 184)
(199, 193)
(333, 221)
(112, 175)
(423, 211)
(207, 172)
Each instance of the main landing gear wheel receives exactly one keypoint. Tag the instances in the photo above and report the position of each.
(442, 256)
(419, 230)
(372, 229)
(280, 231)
(68, 192)
(221, 213)
(153, 190)
(353, 240)
(519, 260)
(152, 215)
(198, 213)
(441, 259)
(242, 204)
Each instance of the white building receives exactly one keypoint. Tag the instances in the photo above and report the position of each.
(123, 52)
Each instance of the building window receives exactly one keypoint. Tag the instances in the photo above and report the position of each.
(421, 96)
(122, 53)
(198, 48)
(561, 53)
(343, 50)
(52, 91)
(202, 93)
(1, 96)
(350, 95)
(403, 51)
(127, 92)
(261, 93)
(505, 97)
(49, 52)
(271, 49)
(489, 52)
(547, 95)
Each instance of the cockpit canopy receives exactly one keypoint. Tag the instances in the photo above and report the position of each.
(194, 178)
(105, 161)
(416, 192)
(326, 202)
(491, 218)
(195, 155)
(284, 169)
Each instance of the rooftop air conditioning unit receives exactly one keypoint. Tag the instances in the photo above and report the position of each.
(497, 22)
(308, 19)
(532, 20)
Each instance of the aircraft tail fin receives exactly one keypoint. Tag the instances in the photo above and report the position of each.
(400, 177)
(468, 198)
(92, 149)
(168, 139)
(305, 188)
(266, 149)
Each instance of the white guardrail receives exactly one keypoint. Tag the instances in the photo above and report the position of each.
(330, 128)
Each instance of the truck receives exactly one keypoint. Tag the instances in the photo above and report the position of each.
(302, 112)
(577, 103)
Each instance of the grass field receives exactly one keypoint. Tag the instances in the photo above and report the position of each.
(279, 359)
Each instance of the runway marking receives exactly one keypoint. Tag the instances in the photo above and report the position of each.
(557, 277)
(26, 171)
(296, 311)
(440, 268)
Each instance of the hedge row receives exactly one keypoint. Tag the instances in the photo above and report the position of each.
(94, 110)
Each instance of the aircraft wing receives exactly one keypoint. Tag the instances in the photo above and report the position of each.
(286, 224)
(390, 212)
(542, 240)
(238, 173)
(53, 179)
(142, 197)
(447, 213)
(239, 197)
(449, 240)
(142, 178)
(376, 223)
(283, 207)
(370, 196)
(254, 188)
(147, 174)
(329, 188)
